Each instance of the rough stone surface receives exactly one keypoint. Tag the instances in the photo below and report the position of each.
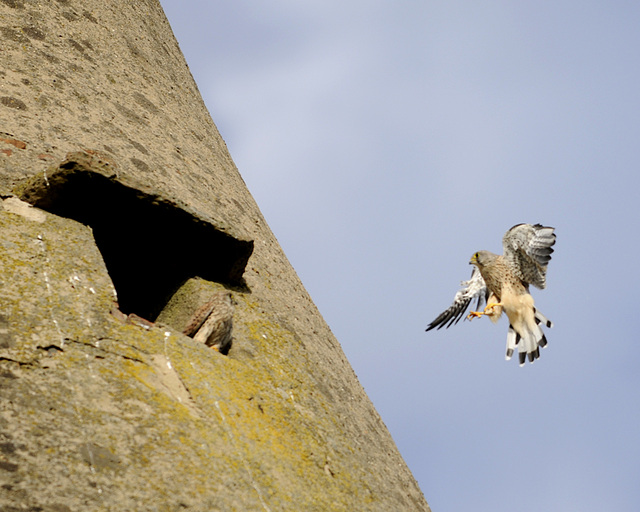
(101, 409)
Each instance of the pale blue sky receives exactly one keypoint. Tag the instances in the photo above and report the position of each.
(385, 142)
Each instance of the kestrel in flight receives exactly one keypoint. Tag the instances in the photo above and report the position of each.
(503, 283)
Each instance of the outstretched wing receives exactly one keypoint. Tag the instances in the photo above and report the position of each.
(474, 287)
(527, 250)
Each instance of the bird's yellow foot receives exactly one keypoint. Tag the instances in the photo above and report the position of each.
(478, 314)
(491, 305)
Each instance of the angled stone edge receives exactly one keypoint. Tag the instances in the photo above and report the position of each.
(43, 189)
(150, 243)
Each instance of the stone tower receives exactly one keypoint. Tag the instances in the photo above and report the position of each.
(122, 212)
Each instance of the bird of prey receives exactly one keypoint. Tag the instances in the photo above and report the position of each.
(212, 323)
(503, 283)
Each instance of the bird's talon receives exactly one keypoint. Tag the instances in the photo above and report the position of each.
(474, 314)
(489, 309)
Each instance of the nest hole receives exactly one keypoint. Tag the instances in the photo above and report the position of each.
(150, 244)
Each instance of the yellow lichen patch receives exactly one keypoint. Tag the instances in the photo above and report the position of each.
(140, 398)
(266, 407)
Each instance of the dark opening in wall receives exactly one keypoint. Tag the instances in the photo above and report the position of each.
(150, 244)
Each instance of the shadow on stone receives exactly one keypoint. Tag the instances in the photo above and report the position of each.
(150, 244)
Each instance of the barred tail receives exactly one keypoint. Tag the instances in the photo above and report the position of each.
(529, 341)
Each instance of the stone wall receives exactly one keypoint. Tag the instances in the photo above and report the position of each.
(122, 210)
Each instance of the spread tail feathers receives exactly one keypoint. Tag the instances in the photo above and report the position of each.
(529, 341)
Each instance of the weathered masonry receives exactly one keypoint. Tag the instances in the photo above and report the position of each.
(121, 211)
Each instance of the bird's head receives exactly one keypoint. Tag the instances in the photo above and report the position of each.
(481, 258)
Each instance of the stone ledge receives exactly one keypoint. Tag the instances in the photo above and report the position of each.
(151, 244)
